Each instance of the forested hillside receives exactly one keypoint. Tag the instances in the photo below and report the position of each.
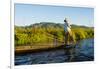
(44, 32)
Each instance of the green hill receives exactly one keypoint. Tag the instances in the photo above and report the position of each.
(43, 32)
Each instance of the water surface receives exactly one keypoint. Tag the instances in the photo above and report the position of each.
(84, 51)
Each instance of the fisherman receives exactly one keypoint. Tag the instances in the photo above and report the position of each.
(68, 32)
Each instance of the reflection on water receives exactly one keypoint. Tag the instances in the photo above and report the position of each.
(84, 51)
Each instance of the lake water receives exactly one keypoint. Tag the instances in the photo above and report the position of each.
(84, 51)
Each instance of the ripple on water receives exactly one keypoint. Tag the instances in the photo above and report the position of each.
(84, 51)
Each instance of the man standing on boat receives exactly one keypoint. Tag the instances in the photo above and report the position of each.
(68, 32)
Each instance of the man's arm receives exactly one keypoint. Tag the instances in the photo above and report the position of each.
(69, 25)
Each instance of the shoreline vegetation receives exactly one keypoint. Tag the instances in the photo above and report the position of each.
(47, 35)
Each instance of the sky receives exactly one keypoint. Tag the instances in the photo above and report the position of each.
(27, 14)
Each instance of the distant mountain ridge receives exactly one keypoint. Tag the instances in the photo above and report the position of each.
(52, 24)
